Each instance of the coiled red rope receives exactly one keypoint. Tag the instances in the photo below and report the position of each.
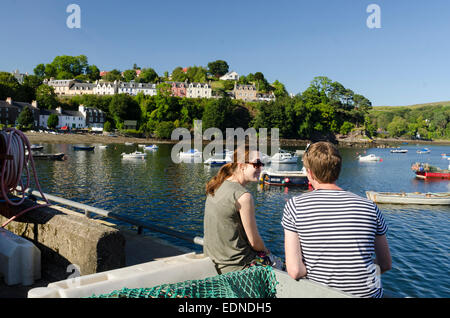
(15, 150)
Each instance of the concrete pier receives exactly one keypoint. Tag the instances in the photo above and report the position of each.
(66, 237)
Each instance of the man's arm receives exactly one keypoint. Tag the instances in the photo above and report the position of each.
(382, 253)
(293, 252)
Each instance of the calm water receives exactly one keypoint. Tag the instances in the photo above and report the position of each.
(172, 195)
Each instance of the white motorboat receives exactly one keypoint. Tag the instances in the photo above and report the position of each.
(134, 155)
(191, 153)
(283, 157)
(399, 150)
(129, 144)
(370, 157)
(218, 159)
(151, 147)
(423, 151)
(103, 146)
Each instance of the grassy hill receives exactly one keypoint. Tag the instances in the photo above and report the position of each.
(382, 108)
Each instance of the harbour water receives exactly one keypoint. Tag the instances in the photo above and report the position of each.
(172, 195)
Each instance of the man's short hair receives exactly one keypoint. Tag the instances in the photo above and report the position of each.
(324, 161)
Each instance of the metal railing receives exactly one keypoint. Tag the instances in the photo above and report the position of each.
(139, 223)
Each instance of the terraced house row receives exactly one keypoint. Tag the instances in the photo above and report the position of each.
(84, 118)
(179, 89)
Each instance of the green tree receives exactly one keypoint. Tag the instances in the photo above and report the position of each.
(164, 129)
(26, 118)
(129, 75)
(46, 97)
(52, 121)
(107, 126)
(397, 127)
(113, 75)
(218, 68)
(178, 75)
(148, 75)
(124, 107)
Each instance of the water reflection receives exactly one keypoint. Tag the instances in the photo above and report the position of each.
(173, 195)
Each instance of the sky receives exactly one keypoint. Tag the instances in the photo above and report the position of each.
(403, 62)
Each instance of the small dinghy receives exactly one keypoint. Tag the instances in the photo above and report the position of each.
(439, 198)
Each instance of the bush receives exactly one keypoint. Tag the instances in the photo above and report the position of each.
(346, 128)
(164, 129)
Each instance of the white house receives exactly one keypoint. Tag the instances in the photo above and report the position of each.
(199, 90)
(106, 88)
(133, 88)
(94, 118)
(69, 118)
(230, 76)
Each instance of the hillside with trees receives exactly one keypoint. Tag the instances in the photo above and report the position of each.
(323, 110)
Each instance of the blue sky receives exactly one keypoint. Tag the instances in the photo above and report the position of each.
(406, 61)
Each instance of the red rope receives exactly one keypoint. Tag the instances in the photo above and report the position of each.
(15, 159)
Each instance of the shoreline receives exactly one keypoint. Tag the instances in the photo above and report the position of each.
(36, 137)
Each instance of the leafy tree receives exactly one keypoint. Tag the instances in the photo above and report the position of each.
(39, 71)
(107, 126)
(124, 107)
(218, 68)
(129, 75)
(346, 128)
(148, 75)
(397, 127)
(164, 129)
(52, 121)
(46, 97)
(178, 75)
(112, 76)
(26, 118)
(279, 89)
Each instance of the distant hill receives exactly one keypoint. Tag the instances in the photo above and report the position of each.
(446, 103)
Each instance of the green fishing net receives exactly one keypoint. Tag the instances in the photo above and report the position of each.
(253, 282)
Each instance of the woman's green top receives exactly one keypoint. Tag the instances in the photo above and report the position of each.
(225, 241)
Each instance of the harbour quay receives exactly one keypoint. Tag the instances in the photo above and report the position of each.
(71, 244)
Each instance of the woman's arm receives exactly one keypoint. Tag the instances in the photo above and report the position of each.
(246, 208)
(293, 252)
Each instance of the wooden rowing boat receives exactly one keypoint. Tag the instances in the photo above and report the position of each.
(440, 198)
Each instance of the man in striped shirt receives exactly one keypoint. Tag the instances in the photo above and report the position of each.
(331, 234)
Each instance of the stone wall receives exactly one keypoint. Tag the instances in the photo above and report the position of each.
(67, 238)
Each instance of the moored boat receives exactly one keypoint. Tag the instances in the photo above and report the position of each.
(426, 171)
(442, 198)
(86, 148)
(399, 150)
(423, 151)
(191, 153)
(284, 178)
(48, 156)
(370, 157)
(134, 155)
(283, 157)
(36, 147)
(218, 160)
(151, 147)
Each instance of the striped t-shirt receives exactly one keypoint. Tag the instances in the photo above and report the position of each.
(337, 229)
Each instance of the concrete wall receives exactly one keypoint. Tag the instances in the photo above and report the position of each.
(65, 237)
